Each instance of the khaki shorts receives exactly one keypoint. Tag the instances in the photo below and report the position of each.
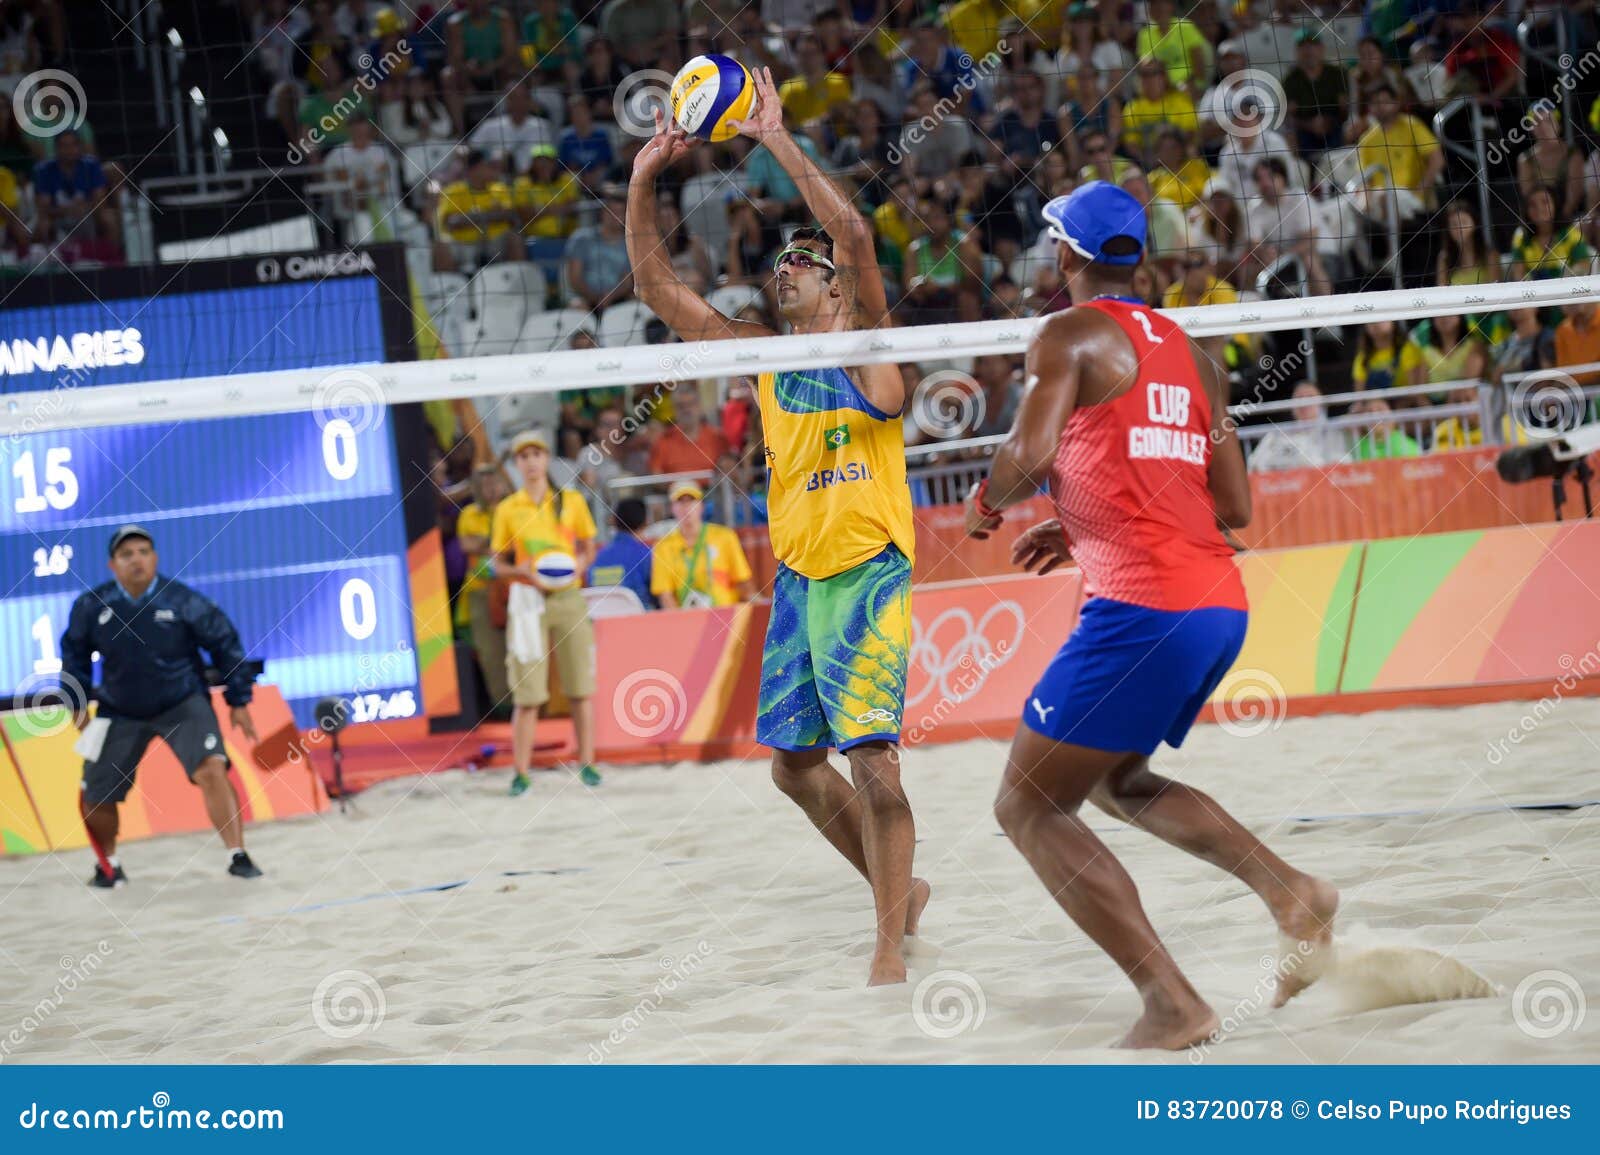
(569, 635)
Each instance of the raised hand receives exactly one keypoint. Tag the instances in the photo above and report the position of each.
(669, 145)
(766, 118)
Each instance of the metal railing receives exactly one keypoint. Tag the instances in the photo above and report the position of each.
(1476, 154)
(1551, 60)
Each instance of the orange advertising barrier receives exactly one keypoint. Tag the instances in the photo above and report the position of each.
(1359, 502)
(1478, 615)
(40, 773)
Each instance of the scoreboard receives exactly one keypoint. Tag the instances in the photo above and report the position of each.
(296, 524)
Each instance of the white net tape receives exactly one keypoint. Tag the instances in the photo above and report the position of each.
(243, 394)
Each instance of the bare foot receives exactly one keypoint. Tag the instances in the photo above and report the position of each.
(1305, 929)
(1172, 1028)
(888, 966)
(920, 893)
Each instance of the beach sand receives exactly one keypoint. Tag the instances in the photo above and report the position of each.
(689, 914)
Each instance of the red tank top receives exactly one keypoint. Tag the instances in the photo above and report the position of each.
(1129, 481)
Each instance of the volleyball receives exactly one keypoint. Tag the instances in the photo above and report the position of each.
(710, 91)
(555, 570)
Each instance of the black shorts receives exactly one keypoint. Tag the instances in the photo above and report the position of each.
(189, 729)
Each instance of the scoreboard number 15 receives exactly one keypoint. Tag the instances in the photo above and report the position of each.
(60, 488)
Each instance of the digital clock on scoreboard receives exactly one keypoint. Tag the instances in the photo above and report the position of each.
(297, 524)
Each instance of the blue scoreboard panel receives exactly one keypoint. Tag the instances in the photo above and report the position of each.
(296, 524)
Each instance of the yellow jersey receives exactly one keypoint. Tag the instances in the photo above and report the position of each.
(473, 521)
(534, 197)
(461, 197)
(806, 102)
(836, 471)
(1402, 150)
(534, 529)
(718, 559)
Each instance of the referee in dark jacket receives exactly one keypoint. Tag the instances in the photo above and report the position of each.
(149, 631)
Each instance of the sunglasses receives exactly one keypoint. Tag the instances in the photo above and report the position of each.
(801, 259)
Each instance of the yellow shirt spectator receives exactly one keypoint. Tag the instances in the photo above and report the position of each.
(473, 521)
(8, 190)
(805, 101)
(975, 25)
(535, 529)
(720, 566)
(1174, 48)
(1185, 187)
(1141, 117)
(461, 197)
(1403, 149)
(533, 197)
(889, 223)
(1218, 292)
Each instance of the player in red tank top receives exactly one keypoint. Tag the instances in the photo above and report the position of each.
(1123, 420)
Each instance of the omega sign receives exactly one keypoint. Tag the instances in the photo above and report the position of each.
(271, 270)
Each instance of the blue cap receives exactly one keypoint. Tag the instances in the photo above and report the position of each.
(1094, 214)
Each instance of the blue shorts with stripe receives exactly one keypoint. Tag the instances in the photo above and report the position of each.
(1130, 677)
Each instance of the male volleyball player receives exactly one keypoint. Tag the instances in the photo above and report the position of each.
(1123, 420)
(834, 669)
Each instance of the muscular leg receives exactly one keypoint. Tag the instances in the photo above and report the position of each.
(835, 808)
(888, 838)
(103, 822)
(1303, 906)
(1045, 784)
(222, 801)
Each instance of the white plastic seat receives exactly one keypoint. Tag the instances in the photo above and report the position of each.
(729, 299)
(544, 332)
(503, 295)
(612, 601)
(445, 296)
(624, 324)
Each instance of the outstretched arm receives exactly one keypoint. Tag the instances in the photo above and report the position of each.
(655, 282)
(853, 251)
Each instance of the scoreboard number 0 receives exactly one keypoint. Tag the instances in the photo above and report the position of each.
(358, 609)
(339, 451)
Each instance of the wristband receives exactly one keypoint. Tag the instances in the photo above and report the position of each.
(983, 510)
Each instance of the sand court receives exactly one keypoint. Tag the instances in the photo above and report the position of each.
(689, 914)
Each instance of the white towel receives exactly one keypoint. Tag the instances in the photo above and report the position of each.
(525, 623)
(93, 739)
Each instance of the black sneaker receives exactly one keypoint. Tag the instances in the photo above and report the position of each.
(242, 867)
(108, 881)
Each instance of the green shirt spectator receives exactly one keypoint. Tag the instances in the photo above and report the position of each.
(550, 37)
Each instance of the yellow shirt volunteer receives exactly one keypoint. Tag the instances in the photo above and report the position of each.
(473, 521)
(461, 197)
(718, 570)
(535, 196)
(533, 529)
(1141, 117)
(1403, 149)
(805, 101)
(1218, 292)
